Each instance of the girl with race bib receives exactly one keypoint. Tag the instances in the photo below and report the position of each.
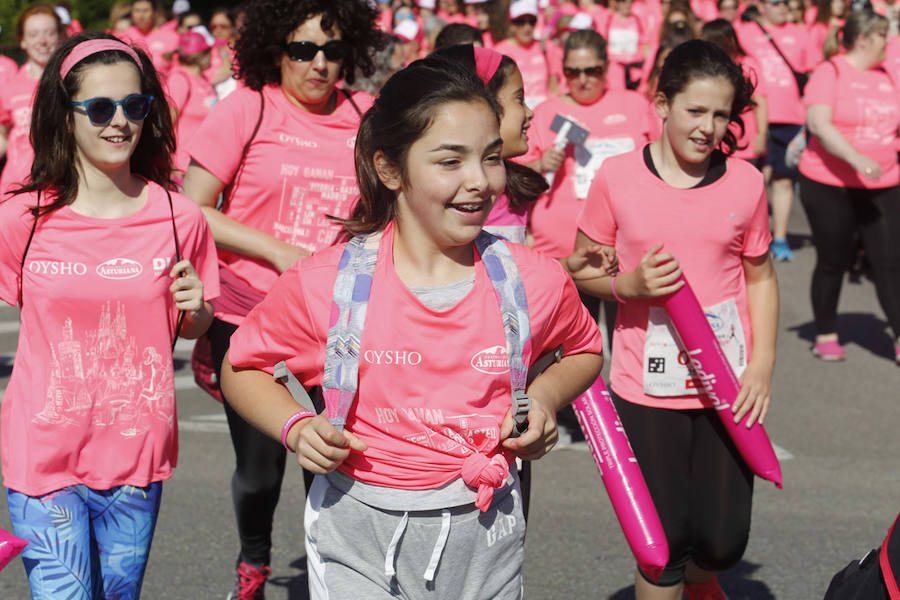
(681, 204)
(414, 494)
(100, 255)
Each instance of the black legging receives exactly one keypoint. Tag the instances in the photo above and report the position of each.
(259, 467)
(835, 216)
(702, 488)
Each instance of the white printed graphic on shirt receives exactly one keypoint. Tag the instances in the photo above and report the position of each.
(600, 150)
(623, 41)
(101, 374)
(878, 116)
(434, 428)
(308, 195)
(665, 363)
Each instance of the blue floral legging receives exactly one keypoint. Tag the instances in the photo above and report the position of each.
(86, 544)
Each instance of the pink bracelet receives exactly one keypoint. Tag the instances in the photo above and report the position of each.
(612, 287)
(300, 414)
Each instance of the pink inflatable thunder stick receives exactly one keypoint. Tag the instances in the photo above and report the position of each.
(623, 479)
(10, 546)
(713, 373)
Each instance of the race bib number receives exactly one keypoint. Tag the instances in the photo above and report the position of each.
(600, 150)
(665, 364)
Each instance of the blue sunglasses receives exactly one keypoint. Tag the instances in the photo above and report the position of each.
(102, 110)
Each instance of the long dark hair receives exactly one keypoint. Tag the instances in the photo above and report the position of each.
(523, 185)
(268, 23)
(401, 114)
(54, 170)
(721, 33)
(697, 59)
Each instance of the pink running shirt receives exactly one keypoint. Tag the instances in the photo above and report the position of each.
(785, 105)
(8, 68)
(16, 100)
(92, 397)
(434, 387)
(298, 169)
(708, 229)
(194, 98)
(617, 123)
(534, 66)
(866, 111)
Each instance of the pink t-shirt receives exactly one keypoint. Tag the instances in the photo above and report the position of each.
(159, 44)
(16, 100)
(8, 67)
(298, 169)
(784, 103)
(194, 98)
(818, 33)
(534, 66)
(617, 123)
(507, 221)
(91, 399)
(708, 229)
(624, 38)
(751, 126)
(866, 111)
(433, 386)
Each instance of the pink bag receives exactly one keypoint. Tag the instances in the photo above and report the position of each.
(204, 369)
(10, 547)
(623, 479)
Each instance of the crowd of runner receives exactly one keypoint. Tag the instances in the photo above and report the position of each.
(410, 205)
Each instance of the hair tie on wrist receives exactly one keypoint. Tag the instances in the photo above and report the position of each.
(88, 47)
(292, 420)
(612, 287)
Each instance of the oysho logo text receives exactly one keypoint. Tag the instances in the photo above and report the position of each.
(119, 268)
(56, 267)
(392, 357)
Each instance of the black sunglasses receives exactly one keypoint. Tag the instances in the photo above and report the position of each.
(778, 2)
(526, 20)
(102, 110)
(305, 51)
(595, 71)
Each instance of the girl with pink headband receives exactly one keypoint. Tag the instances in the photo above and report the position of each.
(108, 268)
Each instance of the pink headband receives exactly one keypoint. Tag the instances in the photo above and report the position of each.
(89, 47)
(486, 63)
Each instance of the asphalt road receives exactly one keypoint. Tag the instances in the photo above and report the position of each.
(834, 425)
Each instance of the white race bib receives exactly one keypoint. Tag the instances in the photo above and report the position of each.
(665, 370)
(600, 150)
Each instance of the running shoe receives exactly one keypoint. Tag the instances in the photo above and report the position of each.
(781, 251)
(708, 590)
(250, 582)
(831, 351)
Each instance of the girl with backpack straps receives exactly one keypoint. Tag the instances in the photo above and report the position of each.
(416, 313)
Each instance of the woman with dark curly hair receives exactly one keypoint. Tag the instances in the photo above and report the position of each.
(280, 151)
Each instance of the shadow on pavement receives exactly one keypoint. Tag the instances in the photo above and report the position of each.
(863, 329)
(736, 583)
(297, 585)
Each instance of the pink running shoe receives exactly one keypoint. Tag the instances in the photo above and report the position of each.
(250, 582)
(708, 590)
(830, 350)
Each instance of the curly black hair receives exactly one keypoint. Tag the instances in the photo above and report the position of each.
(268, 23)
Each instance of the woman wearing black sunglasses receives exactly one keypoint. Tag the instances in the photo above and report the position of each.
(99, 255)
(280, 150)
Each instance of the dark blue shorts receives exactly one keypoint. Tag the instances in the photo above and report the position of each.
(780, 135)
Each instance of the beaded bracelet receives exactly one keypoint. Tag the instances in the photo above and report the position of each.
(292, 420)
(613, 288)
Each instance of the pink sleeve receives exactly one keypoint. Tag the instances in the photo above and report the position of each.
(15, 225)
(282, 327)
(570, 325)
(5, 113)
(596, 219)
(179, 89)
(822, 86)
(218, 142)
(758, 237)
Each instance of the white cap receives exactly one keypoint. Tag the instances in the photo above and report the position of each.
(407, 30)
(63, 15)
(521, 8)
(429, 4)
(202, 30)
(179, 7)
(580, 21)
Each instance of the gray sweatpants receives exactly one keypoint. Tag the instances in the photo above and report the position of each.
(357, 551)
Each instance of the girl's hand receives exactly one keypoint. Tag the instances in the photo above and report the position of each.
(540, 437)
(867, 167)
(320, 447)
(656, 275)
(755, 394)
(592, 262)
(187, 289)
(283, 255)
(552, 160)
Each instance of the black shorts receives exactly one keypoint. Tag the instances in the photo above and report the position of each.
(780, 135)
